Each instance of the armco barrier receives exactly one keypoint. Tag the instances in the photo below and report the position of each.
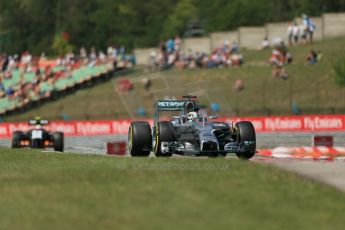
(120, 127)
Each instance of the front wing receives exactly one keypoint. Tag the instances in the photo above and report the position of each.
(189, 150)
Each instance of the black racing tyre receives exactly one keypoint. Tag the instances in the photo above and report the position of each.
(16, 138)
(246, 132)
(139, 139)
(58, 141)
(164, 132)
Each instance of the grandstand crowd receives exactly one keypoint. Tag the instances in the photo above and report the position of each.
(169, 54)
(25, 78)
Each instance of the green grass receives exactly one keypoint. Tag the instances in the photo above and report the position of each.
(68, 191)
(312, 88)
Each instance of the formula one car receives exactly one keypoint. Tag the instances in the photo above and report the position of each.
(38, 137)
(190, 133)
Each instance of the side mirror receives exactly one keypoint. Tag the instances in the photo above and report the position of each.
(213, 117)
(44, 122)
(32, 122)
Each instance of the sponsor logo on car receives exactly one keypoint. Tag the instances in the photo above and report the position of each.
(171, 104)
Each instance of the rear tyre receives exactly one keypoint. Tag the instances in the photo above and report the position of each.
(246, 133)
(139, 139)
(164, 132)
(17, 137)
(58, 141)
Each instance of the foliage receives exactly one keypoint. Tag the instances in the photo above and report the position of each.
(184, 12)
(31, 24)
(61, 45)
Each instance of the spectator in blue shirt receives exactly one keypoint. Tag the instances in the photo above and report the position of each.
(310, 27)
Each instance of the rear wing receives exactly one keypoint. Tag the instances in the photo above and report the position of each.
(184, 106)
(38, 122)
(170, 105)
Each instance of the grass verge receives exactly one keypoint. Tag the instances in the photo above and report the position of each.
(68, 191)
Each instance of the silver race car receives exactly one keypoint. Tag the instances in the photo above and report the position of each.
(190, 133)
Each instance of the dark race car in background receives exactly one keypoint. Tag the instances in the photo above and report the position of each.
(38, 137)
(190, 133)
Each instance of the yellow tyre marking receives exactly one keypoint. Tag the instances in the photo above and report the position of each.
(157, 140)
(131, 138)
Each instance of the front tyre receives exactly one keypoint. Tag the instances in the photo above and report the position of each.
(164, 132)
(139, 139)
(246, 137)
(58, 141)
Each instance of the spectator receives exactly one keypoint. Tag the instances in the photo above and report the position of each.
(288, 58)
(171, 59)
(10, 91)
(295, 32)
(239, 85)
(290, 33)
(122, 50)
(170, 45)
(304, 34)
(5, 63)
(265, 44)
(226, 47)
(147, 83)
(93, 55)
(177, 44)
(2, 88)
(234, 47)
(310, 27)
(236, 59)
(169, 56)
(102, 57)
(8, 75)
(312, 57)
(110, 51)
(278, 59)
(152, 60)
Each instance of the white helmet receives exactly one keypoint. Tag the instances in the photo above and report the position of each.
(191, 116)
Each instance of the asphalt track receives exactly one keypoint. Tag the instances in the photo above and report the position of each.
(331, 173)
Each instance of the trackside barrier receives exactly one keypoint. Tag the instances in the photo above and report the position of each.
(314, 153)
(322, 141)
(310, 123)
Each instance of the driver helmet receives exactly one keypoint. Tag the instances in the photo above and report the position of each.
(191, 116)
(39, 126)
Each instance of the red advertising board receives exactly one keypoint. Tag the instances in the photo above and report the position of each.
(118, 148)
(323, 141)
(120, 127)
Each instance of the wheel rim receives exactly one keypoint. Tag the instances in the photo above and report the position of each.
(130, 138)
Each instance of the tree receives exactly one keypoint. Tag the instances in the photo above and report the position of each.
(61, 44)
(184, 12)
(32, 24)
